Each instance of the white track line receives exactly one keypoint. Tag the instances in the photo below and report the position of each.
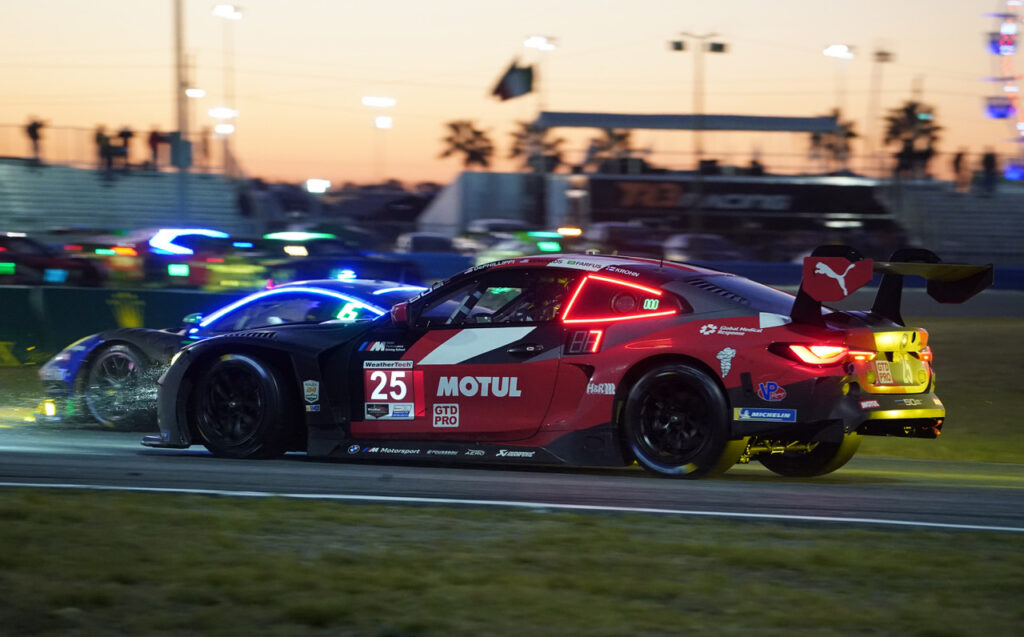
(519, 505)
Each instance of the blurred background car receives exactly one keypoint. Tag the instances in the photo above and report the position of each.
(703, 247)
(481, 234)
(110, 377)
(26, 261)
(424, 242)
(521, 244)
(625, 238)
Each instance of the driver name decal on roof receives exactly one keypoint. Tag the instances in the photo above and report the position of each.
(592, 264)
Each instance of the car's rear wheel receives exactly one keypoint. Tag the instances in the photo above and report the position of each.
(114, 392)
(676, 423)
(242, 408)
(824, 458)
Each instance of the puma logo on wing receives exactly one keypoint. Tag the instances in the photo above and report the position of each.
(821, 268)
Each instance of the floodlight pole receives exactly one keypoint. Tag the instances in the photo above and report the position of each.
(181, 104)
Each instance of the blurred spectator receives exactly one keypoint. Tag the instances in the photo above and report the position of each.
(33, 131)
(989, 171)
(958, 171)
(126, 135)
(154, 140)
(103, 147)
(204, 146)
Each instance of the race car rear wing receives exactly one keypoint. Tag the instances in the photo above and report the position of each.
(833, 272)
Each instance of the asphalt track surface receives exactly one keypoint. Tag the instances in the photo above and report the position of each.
(867, 492)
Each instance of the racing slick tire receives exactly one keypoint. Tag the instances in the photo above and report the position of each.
(112, 388)
(676, 423)
(241, 408)
(826, 457)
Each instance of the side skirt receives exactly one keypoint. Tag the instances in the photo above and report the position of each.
(595, 447)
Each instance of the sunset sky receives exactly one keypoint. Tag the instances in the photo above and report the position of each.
(302, 66)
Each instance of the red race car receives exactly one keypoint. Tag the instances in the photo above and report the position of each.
(583, 360)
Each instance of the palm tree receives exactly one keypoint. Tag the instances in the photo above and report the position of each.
(613, 144)
(834, 145)
(539, 153)
(466, 139)
(912, 127)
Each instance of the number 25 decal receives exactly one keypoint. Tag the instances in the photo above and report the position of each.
(389, 385)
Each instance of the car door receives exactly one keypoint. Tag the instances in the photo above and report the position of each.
(478, 360)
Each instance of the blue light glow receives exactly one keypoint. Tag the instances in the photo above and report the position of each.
(343, 275)
(400, 288)
(163, 241)
(241, 244)
(290, 290)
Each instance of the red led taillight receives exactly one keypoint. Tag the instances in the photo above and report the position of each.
(819, 354)
(926, 355)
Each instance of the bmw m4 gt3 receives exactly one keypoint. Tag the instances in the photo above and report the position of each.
(583, 360)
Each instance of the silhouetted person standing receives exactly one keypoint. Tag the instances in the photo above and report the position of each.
(989, 171)
(126, 135)
(959, 183)
(154, 139)
(33, 131)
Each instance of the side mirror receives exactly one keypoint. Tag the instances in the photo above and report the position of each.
(400, 313)
(192, 319)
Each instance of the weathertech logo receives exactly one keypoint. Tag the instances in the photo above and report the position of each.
(468, 386)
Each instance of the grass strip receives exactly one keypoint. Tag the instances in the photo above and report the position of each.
(103, 563)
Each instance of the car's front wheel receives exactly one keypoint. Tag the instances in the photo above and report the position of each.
(114, 389)
(242, 408)
(676, 423)
(824, 458)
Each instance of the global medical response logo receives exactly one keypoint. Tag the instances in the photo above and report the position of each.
(834, 278)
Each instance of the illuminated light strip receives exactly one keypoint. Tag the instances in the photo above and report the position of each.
(400, 288)
(278, 291)
(626, 283)
(568, 308)
(515, 504)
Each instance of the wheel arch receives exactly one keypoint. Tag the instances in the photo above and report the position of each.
(637, 371)
(280, 360)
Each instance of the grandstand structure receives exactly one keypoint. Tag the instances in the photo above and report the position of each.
(39, 197)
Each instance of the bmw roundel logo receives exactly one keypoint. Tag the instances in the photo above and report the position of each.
(353, 449)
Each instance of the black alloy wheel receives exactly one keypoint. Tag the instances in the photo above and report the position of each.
(241, 408)
(115, 392)
(677, 423)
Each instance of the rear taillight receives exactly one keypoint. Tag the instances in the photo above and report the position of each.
(810, 354)
(925, 355)
(861, 355)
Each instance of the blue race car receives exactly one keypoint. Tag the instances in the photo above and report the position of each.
(110, 377)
